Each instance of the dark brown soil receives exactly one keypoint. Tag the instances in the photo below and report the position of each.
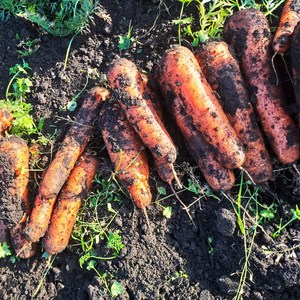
(210, 252)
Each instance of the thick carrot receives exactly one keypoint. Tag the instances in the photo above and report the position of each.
(218, 177)
(295, 57)
(181, 76)
(68, 203)
(223, 73)
(249, 33)
(126, 152)
(14, 176)
(73, 145)
(130, 92)
(289, 18)
(6, 120)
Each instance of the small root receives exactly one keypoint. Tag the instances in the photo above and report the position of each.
(183, 205)
(147, 220)
(248, 175)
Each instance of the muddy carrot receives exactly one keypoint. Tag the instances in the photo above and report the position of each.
(127, 153)
(223, 73)
(289, 18)
(130, 92)
(249, 33)
(68, 204)
(152, 90)
(6, 120)
(14, 176)
(73, 145)
(181, 75)
(218, 177)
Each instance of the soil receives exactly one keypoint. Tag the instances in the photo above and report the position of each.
(178, 259)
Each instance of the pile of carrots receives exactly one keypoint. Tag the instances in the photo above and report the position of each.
(224, 99)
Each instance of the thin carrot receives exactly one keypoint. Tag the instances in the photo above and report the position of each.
(130, 92)
(126, 152)
(73, 145)
(223, 73)
(14, 176)
(249, 33)
(68, 204)
(289, 18)
(181, 75)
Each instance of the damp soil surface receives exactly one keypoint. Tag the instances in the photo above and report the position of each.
(176, 259)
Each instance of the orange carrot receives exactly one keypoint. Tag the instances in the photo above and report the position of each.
(126, 152)
(73, 145)
(14, 175)
(132, 95)
(218, 177)
(181, 75)
(6, 120)
(68, 203)
(289, 18)
(223, 73)
(249, 33)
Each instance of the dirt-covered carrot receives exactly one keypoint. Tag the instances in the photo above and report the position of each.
(289, 18)
(223, 73)
(73, 145)
(127, 153)
(15, 206)
(249, 33)
(6, 120)
(295, 57)
(152, 90)
(218, 177)
(181, 75)
(68, 203)
(129, 91)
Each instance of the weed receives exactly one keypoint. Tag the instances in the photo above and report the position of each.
(212, 15)
(91, 228)
(210, 242)
(114, 242)
(91, 73)
(59, 18)
(125, 40)
(295, 216)
(28, 46)
(116, 289)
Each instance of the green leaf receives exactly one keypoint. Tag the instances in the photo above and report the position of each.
(4, 250)
(117, 289)
(124, 42)
(91, 264)
(167, 212)
(115, 241)
(162, 190)
(267, 214)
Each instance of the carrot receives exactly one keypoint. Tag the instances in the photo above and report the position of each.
(14, 176)
(295, 58)
(223, 73)
(249, 33)
(68, 203)
(218, 177)
(181, 76)
(6, 120)
(126, 152)
(73, 145)
(132, 95)
(289, 18)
